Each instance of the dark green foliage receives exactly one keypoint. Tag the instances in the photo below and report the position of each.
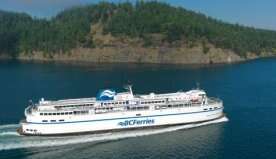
(179, 24)
(71, 29)
(21, 33)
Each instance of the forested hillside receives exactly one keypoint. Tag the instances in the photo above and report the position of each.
(72, 28)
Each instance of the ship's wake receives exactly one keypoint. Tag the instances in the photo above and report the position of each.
(8, 130)
(9, 139)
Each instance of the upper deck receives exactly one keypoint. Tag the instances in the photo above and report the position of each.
(108, 101)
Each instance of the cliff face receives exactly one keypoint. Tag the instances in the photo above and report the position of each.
(129, 53)
(111, 49)
(140, 55)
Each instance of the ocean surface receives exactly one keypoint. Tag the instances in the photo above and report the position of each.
(247, 89)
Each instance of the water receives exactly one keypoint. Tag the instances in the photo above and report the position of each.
(247, 89)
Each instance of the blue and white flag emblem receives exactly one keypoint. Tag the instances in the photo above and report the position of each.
(107, 94)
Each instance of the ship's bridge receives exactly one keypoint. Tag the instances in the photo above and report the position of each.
(124, 96)
(193, 95)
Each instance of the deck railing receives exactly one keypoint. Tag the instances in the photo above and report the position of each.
(171, 104)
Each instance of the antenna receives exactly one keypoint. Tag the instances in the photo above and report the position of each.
(129, 88)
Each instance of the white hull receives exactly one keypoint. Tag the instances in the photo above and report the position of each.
(124, 120)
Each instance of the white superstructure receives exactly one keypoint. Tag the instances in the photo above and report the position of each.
(117, 111)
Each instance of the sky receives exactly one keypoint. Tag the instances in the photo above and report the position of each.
(256, 13)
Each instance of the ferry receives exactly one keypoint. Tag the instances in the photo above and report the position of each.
(112, 111)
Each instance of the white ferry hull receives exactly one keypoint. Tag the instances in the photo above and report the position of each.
(122, 121)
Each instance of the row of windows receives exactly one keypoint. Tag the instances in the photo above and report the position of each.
(127, 102)
(66, 113)
(83, 105)
(104, 108)
(61, 120)
(81, 112)
(180, 105)
(174, 106)
(151, 102)
(128, 108)
(138, 108)
(115, 103)
(31, 130)
(110, 109)
(62, 113)
(211, 108)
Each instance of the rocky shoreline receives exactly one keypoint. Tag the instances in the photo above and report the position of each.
(138, 55)
(152, 55)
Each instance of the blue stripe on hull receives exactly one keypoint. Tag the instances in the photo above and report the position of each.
(126, 117)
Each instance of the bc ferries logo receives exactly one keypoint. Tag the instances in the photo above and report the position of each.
(107, 94)
(136, 122)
